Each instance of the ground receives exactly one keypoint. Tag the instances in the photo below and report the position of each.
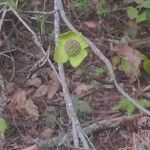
(35, 107)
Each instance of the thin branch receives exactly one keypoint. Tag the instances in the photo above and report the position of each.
(67, 97)
(3, 16)
(76, 128)
(105, 60)
(40, 12)
(36, 40)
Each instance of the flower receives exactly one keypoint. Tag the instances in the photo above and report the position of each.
(71, 46)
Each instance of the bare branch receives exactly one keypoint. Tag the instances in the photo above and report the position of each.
(4, 9)
(36, 40)
(76, 128)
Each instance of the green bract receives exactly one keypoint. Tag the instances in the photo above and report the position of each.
(71, 46)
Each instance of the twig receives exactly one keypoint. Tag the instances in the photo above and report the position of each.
(37, 42)
(3, 16)
(76, 128)
(41, 12)
(8, 51)
(98, 126)
(105, 60)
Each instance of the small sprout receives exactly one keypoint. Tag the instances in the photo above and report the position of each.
(3, 125)
(71, 46)
(128, 107)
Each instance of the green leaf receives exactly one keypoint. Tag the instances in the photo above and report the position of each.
(100, 70)
(146, 65)
(139, 1)
(130, 109)
(81, 106)
(80, 5)
(102, 8)
(76, 60)
(12, 4)
(50, 116)
(145, 103)
(147, 12)
(85, 107)
(132, 32)
(132, 12)
(141, 17)
(125, 105)
(125, 66)
(50, 119)
(60, 56)
(146, 4)
(116, 60)
(72, 35)
(3, 125)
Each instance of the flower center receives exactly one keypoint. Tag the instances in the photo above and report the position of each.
(72, 48)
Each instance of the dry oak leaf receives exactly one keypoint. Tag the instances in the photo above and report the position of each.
(36, 82)
(41, 91)
(47, 134)
(131, 55)
(33, 147)
(32, 109)
(91, 24)
(82, 88)
(17, 101)
(54, 84)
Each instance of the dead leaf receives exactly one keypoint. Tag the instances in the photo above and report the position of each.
(10, 87)
(17, 100)
(33, 147)
(77, 74)
(93, 3)
(2, 140)
(36, 82)
(131, 55)
(32, 109)
(53, 86)
(41, 91)
(82, 88)
(47, 134)
(91, 24)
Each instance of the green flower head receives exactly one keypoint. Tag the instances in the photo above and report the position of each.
(71, 46)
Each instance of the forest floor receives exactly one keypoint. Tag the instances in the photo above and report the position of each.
(35, 107)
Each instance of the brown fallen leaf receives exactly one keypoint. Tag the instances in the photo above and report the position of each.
(93, 3)
(41, 91)
(53, 85)
(32, 109)
(131, 55)
(91, 24)
(36, 82)
(17, 101)
(2, 141)
(33, 147)
(82, 88)
(47, 134)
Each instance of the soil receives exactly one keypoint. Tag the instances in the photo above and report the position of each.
(35, 107)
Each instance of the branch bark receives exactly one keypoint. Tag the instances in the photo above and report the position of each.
(77, 131)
